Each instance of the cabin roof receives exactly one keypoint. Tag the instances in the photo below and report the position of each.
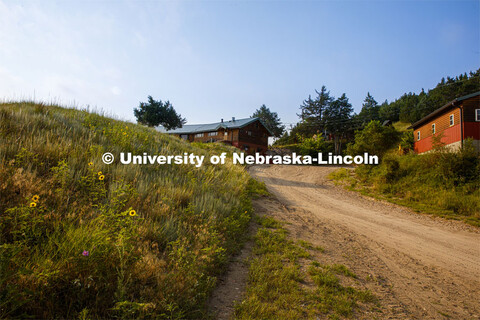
(441, 109)
(209, 127)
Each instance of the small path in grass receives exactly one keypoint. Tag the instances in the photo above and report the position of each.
(231, 286)
(420, 267)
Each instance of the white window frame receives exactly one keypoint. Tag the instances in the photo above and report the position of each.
(418, 135)
(199, 135)
(477, 114)
(213, 134)
(452, 120)
(433, 128)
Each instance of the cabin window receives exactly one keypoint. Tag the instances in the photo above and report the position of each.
(184, 136)
(212, 134)
(418, 135)
(226, 133)
(477, 114)
(249, 133)
(199, 135)
(452, 121)
(433, 128)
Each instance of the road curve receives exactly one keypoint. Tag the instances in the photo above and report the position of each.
(431, 266)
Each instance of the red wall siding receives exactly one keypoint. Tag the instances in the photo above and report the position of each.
(450, 135)
(471, 130)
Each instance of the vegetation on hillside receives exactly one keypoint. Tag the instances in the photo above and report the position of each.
(411, 107)
(81, 239)
(443, 183)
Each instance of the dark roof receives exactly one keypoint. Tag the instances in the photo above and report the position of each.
(445, 107)
(198, 128)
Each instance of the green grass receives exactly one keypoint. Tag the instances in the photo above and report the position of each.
(401, 126)
(81, 239)
(277, 286)
(442, 183)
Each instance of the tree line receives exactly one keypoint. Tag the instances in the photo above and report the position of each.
(334, 117)
(330, 117)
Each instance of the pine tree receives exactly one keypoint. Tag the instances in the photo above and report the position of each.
(270, 120)
(369, 110)
(312, 111)
(154, 113)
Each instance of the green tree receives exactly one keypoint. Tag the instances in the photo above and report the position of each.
(374, 139)
(312, 146)
(337, 120)
(154, 113)
(370, 109)
(312, 110)
(270, 119)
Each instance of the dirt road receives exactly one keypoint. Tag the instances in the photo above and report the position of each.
(420, 267)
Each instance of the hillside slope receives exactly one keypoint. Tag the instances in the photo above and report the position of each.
(82, 239)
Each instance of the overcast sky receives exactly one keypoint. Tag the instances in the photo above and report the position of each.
(218, 59)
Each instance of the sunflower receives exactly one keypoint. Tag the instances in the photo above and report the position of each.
(132, 213)
(101, 177)
(33, 204)
(35, 198)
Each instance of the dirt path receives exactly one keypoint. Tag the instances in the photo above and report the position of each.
(419, 267)
(231, 286)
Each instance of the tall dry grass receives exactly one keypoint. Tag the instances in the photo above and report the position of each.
(81, 239)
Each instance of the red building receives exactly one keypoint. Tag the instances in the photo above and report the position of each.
(248, 134)
(454, 122)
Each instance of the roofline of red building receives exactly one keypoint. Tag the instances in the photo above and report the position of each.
(440, 110)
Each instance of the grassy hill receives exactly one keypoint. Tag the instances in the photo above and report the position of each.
(401, 126)
(81, 239)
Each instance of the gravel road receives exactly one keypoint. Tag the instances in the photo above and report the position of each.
(419, 266)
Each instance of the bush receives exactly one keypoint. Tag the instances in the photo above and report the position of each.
(442, 182)
(374, 139)
(312, 146)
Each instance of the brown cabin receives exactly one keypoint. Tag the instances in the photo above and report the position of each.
(454, 122)
(249, 135)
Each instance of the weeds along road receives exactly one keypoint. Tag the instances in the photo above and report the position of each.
(419, 266)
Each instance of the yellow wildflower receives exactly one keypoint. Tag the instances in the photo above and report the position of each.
(132, 213)
(35, 198)
(33, 204)
(101, 177)
(90, 163)
(99, 173)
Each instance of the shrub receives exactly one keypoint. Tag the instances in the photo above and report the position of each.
(312, 146)
(374, 139)
(442, 182)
